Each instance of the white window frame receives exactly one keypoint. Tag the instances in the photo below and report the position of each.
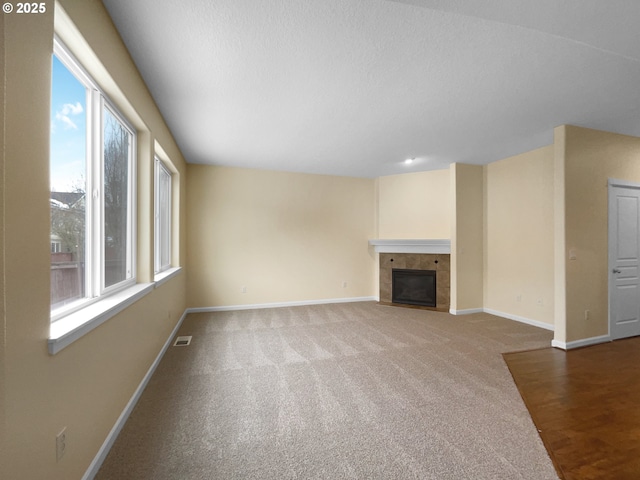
(162, 232)
(56, 246)
(96, 103)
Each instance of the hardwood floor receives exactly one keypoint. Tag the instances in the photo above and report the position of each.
(586, 406)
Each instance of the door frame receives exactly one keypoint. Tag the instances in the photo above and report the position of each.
(612, 183)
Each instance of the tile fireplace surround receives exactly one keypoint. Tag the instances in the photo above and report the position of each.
(440, 262)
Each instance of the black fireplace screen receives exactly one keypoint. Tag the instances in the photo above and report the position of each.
(414, 287)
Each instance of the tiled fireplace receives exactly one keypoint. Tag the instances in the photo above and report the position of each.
(439, 262)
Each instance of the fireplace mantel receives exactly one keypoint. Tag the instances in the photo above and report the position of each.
(439, 245)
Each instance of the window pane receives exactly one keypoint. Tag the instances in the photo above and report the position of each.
(163, 218)
(117, 141)
(67, 179)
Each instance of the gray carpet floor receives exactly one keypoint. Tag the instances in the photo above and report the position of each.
(343, 391)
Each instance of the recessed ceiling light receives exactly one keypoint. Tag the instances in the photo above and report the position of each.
(408, 161)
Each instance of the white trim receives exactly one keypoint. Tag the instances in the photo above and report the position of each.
(466, 311)
(227, 308)
(75, 325)
(518, 318)
(613, 182)
(509, 316)
(585, 342)
(122, 419)
(70, 328)
(165, 276)
(440, 245)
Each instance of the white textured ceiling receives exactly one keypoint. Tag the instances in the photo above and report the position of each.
(353, 87)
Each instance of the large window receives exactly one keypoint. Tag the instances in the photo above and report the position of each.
(92, 169)
(162, 226)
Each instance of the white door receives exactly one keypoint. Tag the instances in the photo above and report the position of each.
(624, 259)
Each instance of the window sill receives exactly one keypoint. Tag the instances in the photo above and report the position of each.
(75, 325)
(168, 274)
(72, 327)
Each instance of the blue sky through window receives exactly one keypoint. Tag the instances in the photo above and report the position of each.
(68, 130)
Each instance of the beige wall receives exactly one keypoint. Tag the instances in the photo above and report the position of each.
(3, 318)
(466, 237)
(86, 386)
(590, 158)
(284, 236)
(262, 230)
(414, 205)
(519, 229)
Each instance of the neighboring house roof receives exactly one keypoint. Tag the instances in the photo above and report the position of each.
(66, 199)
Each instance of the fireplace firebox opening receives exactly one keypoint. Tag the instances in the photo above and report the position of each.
(413, 287)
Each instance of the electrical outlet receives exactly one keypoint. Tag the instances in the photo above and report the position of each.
(61, 444)
(244, 289)
(344, 284)
(518, 298)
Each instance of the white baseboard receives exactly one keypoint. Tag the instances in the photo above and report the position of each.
(467, 311)
(585, 342)
(490, 311)
(113, 434)
(227, 308)
(518, 318)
